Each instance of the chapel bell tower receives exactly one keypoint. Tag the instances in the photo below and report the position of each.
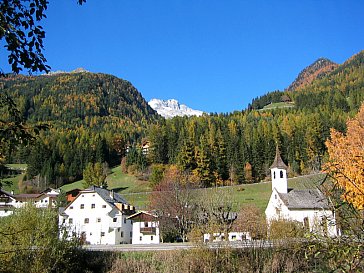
(279, 174)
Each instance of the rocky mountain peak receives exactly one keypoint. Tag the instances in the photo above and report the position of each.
(171, 108)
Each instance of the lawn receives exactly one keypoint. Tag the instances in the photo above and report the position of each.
(241, 195)
(117, 181)
(137, 192)
(279, 105)
(11, 182)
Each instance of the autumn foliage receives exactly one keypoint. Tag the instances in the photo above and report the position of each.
(346, 163)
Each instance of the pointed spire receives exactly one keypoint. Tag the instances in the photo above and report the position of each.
(278, 162)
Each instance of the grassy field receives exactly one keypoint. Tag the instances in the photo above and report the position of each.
(117, 181)
(241, 195)
(137, 192)
(279, 105)
(11, 183)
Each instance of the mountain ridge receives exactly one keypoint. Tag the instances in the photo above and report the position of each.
(317, 69)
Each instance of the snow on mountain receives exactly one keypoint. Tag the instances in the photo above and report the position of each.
(171, 108)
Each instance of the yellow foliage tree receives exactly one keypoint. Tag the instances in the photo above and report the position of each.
(346, 159)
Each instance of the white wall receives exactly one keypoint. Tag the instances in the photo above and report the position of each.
(140, 238)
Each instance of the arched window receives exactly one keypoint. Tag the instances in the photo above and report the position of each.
(281, 174)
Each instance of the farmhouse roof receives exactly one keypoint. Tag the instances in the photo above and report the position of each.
(28, 196)
(109, 196)
(278, 162)
(142, 215)
(305, 199)
(2, 192)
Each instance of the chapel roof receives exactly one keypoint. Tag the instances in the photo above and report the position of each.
(305, 199)
(278, 162)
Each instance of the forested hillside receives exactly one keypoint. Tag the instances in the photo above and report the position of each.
(91, 118)
(94, 117)
(240, 147)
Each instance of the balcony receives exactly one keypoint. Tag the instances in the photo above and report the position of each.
(148, 230)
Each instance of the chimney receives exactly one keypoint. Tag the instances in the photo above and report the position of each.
(112, 194)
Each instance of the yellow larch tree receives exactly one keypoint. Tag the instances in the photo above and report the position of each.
(346, 159)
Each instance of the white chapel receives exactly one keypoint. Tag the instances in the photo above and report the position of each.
(307, 206)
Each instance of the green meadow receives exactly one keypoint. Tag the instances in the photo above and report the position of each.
(137, 191)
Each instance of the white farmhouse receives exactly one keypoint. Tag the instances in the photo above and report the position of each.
(308, 206)
(98, 216)
(145, 228)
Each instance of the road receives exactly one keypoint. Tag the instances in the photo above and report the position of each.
(179, 246)
(130, 247)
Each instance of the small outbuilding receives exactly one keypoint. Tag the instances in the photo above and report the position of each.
(145, 228)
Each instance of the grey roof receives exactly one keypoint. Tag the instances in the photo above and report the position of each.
(6, 193)
(61, 210)
(305, 199)
(278, 162)
(109, 196)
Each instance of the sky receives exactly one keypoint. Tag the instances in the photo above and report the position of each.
(214, 56)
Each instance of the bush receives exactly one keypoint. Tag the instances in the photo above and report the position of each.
(29, 243)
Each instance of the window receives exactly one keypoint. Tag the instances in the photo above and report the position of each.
(151, 238)
(82, 206)
(71, 207)
(92, 206)
(102, 233)
(141, 238)
(64, 221)
(274, 175)
(103, 206)
(281, 174)
(98, 220)
(86, 221)
(275, 196)
(121, 234)
(70, 221)
(145, 224)
(114, 220)
(131, 233)
(125, 220)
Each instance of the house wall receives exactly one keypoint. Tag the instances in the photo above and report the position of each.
(140, 238)
(232, 237)
(5, 211)
(100, 228)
